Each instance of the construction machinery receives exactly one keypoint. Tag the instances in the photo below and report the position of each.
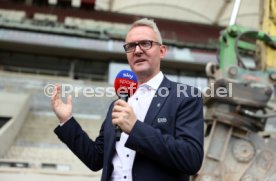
(235, 149)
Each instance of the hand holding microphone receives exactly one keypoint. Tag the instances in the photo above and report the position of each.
(123, 116)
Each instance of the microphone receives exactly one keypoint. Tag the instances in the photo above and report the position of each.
(125, 85)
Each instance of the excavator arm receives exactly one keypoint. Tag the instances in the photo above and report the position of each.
(234, 148)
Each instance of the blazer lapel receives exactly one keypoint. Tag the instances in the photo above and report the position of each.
(111, 144)
(158, 101)
(110, 138)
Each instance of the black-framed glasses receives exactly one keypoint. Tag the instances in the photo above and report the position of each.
(143, 44)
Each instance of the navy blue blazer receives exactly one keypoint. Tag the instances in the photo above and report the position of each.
(168, 145)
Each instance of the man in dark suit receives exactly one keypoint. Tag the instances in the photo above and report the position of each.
(162, 123)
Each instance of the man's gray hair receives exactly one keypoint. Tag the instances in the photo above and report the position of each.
(149, 23)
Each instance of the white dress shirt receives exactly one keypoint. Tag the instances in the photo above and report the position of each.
(140, 102)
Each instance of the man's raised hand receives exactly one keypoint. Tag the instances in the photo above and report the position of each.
(62, 110)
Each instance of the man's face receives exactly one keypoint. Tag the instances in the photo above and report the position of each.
(145, 62)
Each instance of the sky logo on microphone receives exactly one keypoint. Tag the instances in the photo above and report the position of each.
(128, 75)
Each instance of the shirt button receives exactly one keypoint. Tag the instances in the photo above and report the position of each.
(136, 98)
(127, 155)
(125, 177)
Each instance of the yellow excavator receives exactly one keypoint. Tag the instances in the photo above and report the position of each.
(235, 148)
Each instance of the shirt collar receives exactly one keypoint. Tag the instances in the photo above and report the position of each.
(155, 81)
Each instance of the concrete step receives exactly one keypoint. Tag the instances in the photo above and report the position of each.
(38, 147)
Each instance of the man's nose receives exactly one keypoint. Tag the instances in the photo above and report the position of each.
(138, 49)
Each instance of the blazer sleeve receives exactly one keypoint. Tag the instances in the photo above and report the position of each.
(181, 150)
(90, 152)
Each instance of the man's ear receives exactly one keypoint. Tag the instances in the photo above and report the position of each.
(163, 51)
